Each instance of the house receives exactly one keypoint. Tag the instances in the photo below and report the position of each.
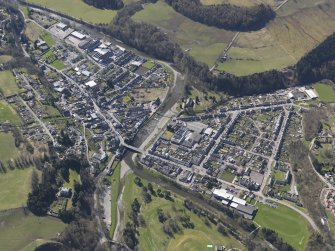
(62, 26)
(65, 192)
(78, 35)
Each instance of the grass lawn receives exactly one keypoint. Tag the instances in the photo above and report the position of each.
(14, 188)
(289, 225)
(227, 176)
(149, 65)
(74, 176)
(18, 230)
(59, 65)
(5, 58)
(47, 37)
(152, 237)
(8, 149)
(7, 113)
(78, 9)
(24, 10)
(32, 31)
(115, 190)
(8, 84)
(326, 92)
(331, 222)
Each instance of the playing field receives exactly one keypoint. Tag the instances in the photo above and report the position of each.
(8, 84)
(7, 113)
(18, 230)
(78, 9)
(203, 42)
(14, 188)
(289, 225)
(295, 31)
(326, 92)
(152, 237)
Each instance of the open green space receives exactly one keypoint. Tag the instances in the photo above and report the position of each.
(24, 10)
(331, 222)
(74, 176)
(14, 188)
(19, 229)
(5, 58)
(78, 9)
(32, 31)
(290, 225)
(284, 40)
(153, 238)
(326, 92)
(52, 59)
(149, 64)
(227, 176)
(203, 42)
(8, 84)
(7, 113)
(47, 37)
(8, 149)
(115, 190)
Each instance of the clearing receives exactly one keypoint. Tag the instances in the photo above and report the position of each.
(289, 225)
(78, 9)
(19, 229)
(73, 176)
(8, 84)
(153, 238)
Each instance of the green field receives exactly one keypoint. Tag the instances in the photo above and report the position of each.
(18, 230)
(331, 222)
(149, 64)
(294, 32)
(32, 31)
(78, 9)
(8, 84)
(47, 37)
(74, 176)
(5, 58)
(326, 92)
(115, 190)
(14, 188)
(7, 113)
(289, 225)
(152, 237)
(8, 149)
(203, 42)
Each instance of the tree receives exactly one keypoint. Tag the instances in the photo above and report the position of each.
(138, 181)
(135, 206)
(34, 180)
(147, 197)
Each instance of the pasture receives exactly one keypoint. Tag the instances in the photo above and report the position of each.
(8, 149)
(8, 84)
(14, 188)
(293, 33)
(153, 238)
(78, 9)
(19, 229)
(290, 226)
(32, 31)
(8, 114)
(326, 92)
(203, 42)
(115, 190)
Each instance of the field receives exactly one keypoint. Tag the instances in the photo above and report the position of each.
(294, 32)
(32, 31)
(7, 113)
(331, 222)
(18, 230)
(8, 149)
(152, 237)
(203, 42)
(78, 9)
(289, 225)
(74, 176)
(115, 190)
(47, 37)
(238, 2)
(14, 188)
(326, 92)
(8, 84)
(5, 58)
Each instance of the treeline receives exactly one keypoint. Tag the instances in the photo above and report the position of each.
(226, 16)
(106, 4)
(319, 63)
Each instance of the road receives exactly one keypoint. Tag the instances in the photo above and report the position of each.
(42, 124)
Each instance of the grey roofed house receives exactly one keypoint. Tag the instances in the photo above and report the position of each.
(248, 211)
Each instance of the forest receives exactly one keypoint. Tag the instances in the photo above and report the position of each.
(226, 16)
(106, 4)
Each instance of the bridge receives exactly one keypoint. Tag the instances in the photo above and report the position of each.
(133, 148)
